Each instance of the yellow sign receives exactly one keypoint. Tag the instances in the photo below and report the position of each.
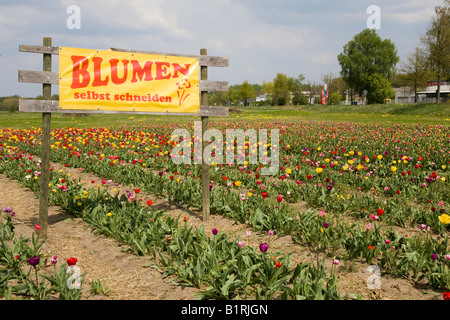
(127, 81)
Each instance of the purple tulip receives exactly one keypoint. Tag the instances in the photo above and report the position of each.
(215, 231)
(325, 224)
(34, 261)
(434, 256)
(263, 247)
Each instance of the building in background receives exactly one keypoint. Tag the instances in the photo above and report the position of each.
(430, 94)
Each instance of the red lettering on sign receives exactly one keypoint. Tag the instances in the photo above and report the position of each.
(81, 76)
(138, 71)
(80, 65)
(98, 73)
(161, 70)
(114, 77)
(177, 68)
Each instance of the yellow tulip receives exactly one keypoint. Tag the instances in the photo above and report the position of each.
(444, 218)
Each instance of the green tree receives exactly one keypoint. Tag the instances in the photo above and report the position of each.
(257, 88)
(334, 98)
(379, 89)
(267, 89)
(281, 92)
(437, 43)
(218, 98)
(233, 96)
(246, 92)
(367, 54)
(12, 103)
(296, 88)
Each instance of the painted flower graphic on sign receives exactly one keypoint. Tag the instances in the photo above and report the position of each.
(182, 86)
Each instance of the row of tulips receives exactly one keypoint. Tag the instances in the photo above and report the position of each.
(345, 241)
(187, 190)
(195, 257)
(331, 172)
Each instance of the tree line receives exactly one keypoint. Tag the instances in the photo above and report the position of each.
(282, 90)
(370, 69)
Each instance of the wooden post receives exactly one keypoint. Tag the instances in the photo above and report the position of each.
(45, 147)
(205, 124)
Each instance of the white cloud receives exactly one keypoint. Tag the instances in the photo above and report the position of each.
(410, 18)
(132, 15)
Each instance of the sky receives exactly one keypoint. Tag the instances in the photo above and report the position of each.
(260, 37)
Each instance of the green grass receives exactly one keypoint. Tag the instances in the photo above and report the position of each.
(408, 114)
(402, 114)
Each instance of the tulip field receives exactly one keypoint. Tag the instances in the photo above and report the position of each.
(367, 193)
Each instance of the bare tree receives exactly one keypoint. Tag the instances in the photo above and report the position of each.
(437, 43)
(328, 79)
(414, 70)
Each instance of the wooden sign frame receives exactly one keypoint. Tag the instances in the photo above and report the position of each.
(46, 106)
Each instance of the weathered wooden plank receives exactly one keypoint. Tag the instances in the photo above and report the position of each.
(38, 105)
(46, 77)
(39, 49)
(206, 85)
(52, 106)
(206, 61)
(209, 61)
(214, 111)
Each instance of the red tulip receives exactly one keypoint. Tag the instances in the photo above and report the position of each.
(71, 261)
